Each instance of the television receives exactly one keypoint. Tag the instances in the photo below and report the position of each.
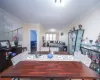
(4, 44)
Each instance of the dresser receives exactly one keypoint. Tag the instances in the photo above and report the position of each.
(5, 60)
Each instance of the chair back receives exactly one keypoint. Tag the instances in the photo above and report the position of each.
(83, 58)
(19, 57)
(87, 61)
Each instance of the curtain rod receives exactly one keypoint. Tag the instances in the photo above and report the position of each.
(15, 30)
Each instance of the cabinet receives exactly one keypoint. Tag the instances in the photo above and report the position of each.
(16, 50)
(5, 61)
(5, 56)
(74, 40)
(94, 55)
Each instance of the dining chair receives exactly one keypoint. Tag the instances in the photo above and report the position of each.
(20, 57)
(82, 58)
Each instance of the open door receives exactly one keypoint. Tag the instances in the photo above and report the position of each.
(33, 40)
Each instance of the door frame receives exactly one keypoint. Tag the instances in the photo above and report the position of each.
(29, 47)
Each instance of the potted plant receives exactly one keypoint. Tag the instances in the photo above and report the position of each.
(15, 38)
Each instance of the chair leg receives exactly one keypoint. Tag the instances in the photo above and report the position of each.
(18, 78)
(51, 79)
(14, 78)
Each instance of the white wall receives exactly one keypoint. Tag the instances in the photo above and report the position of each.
(8, 22)
(26, 35)
(90, 21)
(64, 37)
(41, 34)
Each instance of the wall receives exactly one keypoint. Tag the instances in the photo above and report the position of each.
(64, 37)
(42, 33)
(8, 22)
(90, 21)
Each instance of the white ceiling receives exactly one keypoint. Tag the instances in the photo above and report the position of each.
(46, 12)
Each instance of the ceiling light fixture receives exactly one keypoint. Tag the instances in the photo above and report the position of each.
(60, 2)
(52, 30)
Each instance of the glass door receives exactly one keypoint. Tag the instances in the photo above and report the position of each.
(79, 39)
(74, 35)
(71, 41)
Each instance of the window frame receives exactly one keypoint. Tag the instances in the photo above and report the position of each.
(52, 38)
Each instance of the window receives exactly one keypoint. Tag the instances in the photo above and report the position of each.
(54, 37)
(51, 37)
(47, 37)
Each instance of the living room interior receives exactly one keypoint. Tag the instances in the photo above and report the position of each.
(49, 30)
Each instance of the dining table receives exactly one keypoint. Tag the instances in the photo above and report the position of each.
(51, 70)
(55, 52)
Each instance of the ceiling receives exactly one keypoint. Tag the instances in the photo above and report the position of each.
(46, 12)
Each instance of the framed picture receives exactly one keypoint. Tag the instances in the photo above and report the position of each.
(62, 34)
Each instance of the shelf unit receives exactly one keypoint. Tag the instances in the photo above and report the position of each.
(74, 40)
(94, 55)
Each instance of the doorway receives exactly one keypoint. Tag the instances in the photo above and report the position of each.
(33, 40)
